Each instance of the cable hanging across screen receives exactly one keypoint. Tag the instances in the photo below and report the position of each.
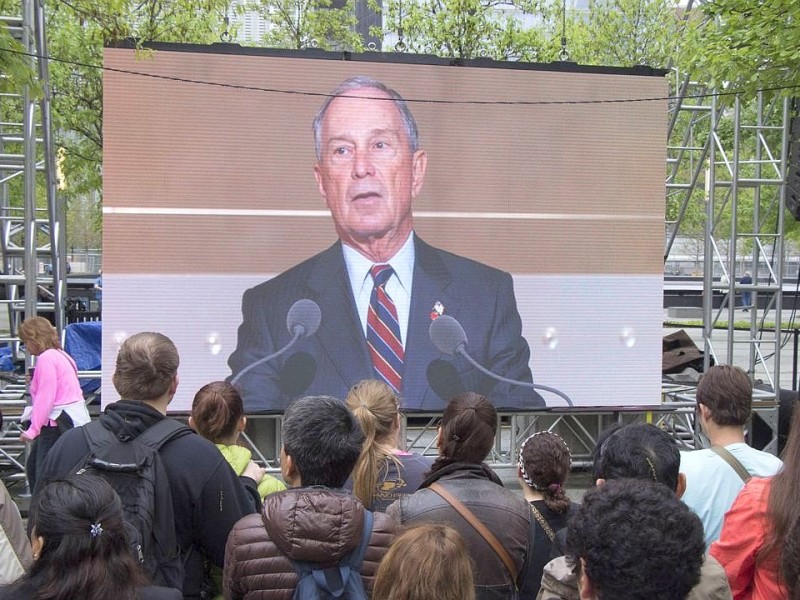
(251, 88)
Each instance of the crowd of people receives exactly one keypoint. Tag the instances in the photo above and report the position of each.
(356, 516)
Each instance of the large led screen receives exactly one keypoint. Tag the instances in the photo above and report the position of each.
(519, 207)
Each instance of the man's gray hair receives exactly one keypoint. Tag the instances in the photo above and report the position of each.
(361, 82)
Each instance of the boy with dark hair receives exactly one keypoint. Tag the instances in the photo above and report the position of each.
(716, 475)
(314, 521)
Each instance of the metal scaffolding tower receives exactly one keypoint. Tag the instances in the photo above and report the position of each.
(32, 242)
(732, 158)
(32, 217)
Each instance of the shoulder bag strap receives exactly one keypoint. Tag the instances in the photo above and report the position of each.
(734, 463)
(487, 535)
(543, 524)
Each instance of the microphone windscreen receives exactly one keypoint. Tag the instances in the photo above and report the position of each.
(447, 334)
(297, 374)
(444, 380)
(303, 314)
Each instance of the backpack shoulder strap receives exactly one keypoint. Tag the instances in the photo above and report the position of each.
(734, 463)
(160, 433)
(484, 532)
(97, 436)
(356, 557)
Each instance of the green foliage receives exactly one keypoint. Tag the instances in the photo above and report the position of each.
(77, 31)
(464, 29)
(627, 33)
(301, 24)
(752, 44)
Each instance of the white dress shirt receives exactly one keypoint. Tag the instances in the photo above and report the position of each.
(398, 286)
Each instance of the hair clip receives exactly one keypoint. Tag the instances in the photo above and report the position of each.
(455, 438)
(96, 529)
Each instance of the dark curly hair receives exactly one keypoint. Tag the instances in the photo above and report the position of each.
(637, 542)
(638, 451)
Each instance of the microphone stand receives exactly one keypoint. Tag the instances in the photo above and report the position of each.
(460, 350)
(298, 333)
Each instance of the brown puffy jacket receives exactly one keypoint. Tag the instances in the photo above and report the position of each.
(310, 524)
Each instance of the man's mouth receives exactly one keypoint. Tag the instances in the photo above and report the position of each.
(365, 196)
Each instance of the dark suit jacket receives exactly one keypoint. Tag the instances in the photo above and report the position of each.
(336, 357)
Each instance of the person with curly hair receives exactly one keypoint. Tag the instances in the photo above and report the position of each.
(383, 472)
(543, 465)
(465, 438)
(426, 562)
(80, 547)
(634, 540)
(642, 453)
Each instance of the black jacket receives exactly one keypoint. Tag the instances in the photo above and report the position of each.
(503, 512)
(208, 498)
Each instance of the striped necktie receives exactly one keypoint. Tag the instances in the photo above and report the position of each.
(383, 330)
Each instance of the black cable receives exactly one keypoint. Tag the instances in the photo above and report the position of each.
(414, 100)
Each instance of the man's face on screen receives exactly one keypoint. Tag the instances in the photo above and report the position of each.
(367, 173)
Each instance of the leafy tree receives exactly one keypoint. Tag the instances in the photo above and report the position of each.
(301, 24)
(77, 32)
(752, 44)
(628, 33)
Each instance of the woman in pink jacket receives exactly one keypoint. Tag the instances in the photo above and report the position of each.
(56, 397)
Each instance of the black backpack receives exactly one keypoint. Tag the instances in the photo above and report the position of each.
(342, 581)
(135, 471)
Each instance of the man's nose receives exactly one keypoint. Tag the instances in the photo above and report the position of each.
(363, 166)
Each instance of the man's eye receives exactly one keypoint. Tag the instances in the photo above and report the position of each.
(340, 151)
(381, 145)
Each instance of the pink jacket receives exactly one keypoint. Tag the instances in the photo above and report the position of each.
(55, 383)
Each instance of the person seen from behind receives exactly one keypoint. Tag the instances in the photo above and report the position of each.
(383, 472)
(56, 397)
(80, 548)
(315, 521)
(640, 452)
(426, 562)
(716, 475)
(458, 480)
(207, 496)
(218, 416)
(15, 548)
(542, 468)
(757, 528)
(634, 540)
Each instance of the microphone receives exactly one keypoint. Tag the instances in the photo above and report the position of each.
(302, 321)
(449, 337)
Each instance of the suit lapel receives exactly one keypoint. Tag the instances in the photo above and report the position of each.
(431, 282)
(340, 335)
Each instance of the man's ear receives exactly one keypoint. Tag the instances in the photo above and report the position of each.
(681, 486)
(191, 424)
(586, 589)
(173, 387)
(289, 470)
